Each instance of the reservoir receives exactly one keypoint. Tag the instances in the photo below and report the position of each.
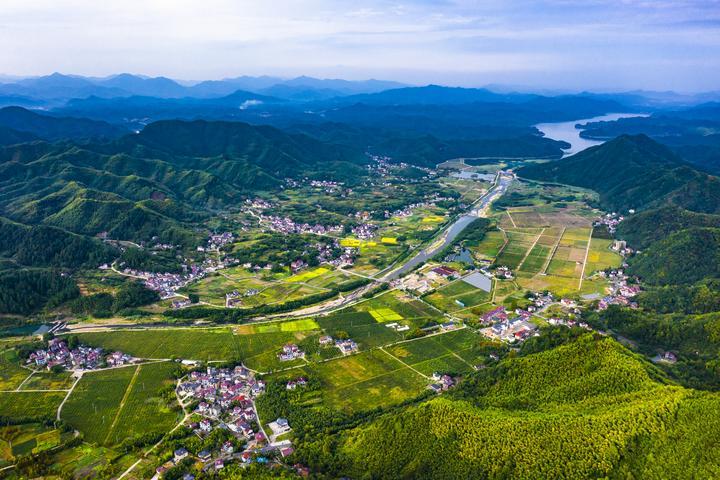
(567, 132)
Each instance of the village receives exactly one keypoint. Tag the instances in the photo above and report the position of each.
(58, 355)
(223, 399)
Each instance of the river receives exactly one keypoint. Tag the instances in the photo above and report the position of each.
(454, 229)
(567, 132)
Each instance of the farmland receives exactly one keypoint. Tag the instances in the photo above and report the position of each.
(31, 404)
(456, 296)
(145, 411)
(11, 374)
(94, 404)
(361, 327)
(453, 352)
(366, 380)
(256, 345)
(110, 406)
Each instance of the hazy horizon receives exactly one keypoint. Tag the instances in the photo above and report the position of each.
(599, 45)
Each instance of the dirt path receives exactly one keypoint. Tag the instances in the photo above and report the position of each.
(122, 402)
(69, 392)
(527, 254)
(587, 252)
(552, 253)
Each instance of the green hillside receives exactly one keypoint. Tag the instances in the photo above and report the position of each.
(645, 227)
(161, 182)
(684, 257)
(632, 172)
(585, 410)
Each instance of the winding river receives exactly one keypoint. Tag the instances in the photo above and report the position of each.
(567, 132)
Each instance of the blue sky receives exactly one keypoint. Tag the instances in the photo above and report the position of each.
(561, 44)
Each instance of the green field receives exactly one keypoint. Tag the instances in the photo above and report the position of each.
(535, 260)
(361, 327)
(30, 404)
(190, 343)
(446, 298)
(290, 326)
(367, 380)
(94, 404)
(48, 381)
(144, 411)
(308, 275)
(412, 311)
(385, 315)
(455, 352)
(11, 373)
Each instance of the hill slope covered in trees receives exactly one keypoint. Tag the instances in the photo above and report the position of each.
(588, 409)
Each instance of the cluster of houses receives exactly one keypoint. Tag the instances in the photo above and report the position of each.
(290, 352)
(298, 382)
(83, 357)
(397, 327)
(503, 272)
(328, 186)
(364, 231)
(442, 272)
(225, 399)
(441, 382)
(219, 240)
(610, 220)
(234, 299)
(258, 203)
(286, 226)
(346, 346)
(501, 326)
(166, 284)
(619, 291)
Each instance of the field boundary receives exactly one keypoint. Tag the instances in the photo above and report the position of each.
(587, 251)
(527, 253)
(554, 251)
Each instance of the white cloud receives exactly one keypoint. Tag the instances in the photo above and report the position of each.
(520, 41)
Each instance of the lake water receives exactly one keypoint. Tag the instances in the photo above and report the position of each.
(567, 132)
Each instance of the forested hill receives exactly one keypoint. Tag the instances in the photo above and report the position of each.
(27, 125)
(632, 172)
(161, 181)
(589, 409)
(264, 147)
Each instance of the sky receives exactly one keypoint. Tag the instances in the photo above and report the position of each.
(544, 44)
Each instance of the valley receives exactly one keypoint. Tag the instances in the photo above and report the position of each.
(352, 299)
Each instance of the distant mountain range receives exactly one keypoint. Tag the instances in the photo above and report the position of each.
(58, 87)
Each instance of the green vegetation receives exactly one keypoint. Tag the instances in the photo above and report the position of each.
(150, 406)
(95, 403)
(26, 291)
(683, 257)
(577, 411)
(695, 339)
(30, 404)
